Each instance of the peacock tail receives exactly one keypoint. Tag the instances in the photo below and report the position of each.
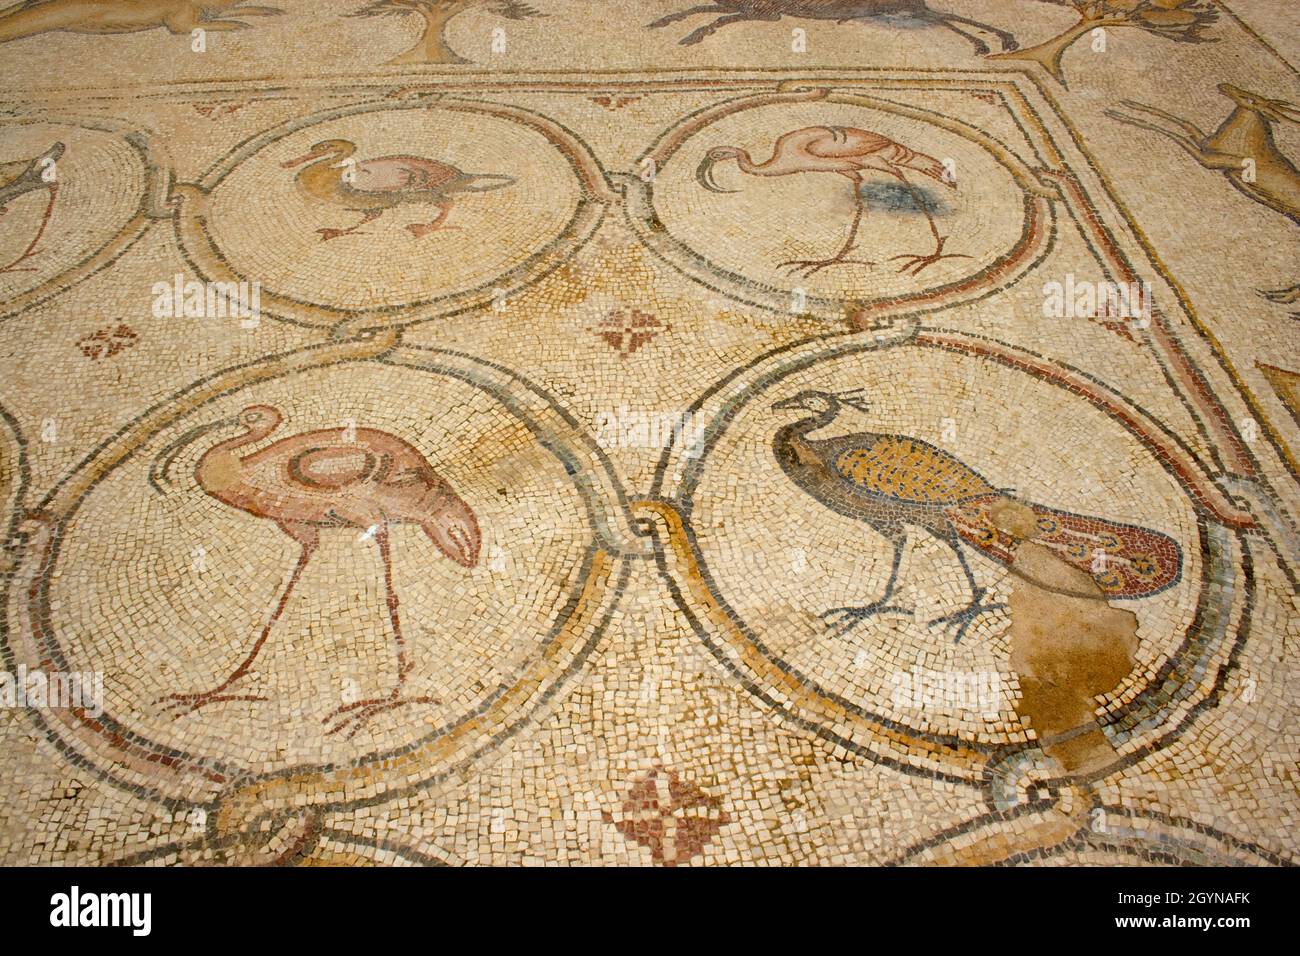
(1125, 560)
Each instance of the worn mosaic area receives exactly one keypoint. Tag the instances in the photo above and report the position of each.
(452, 432)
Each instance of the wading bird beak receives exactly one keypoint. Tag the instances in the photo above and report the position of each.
(158, 471)
(704, 176)
(305, 157)
(785, 403)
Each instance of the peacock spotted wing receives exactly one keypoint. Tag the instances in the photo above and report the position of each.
(1125, 560)
(910, 471)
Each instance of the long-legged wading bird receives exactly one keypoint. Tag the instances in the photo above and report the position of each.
(895, 482)
(850, 153)
(330, 478)
(23, 177)
(370, 186)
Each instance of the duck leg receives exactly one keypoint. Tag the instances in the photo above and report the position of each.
(370, 215)
(418, 229)
(188, 703)
(354, 715)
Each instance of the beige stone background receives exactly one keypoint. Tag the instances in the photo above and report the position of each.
(788, 798)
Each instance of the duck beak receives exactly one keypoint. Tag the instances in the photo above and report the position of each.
(704, 176)
(306, 157)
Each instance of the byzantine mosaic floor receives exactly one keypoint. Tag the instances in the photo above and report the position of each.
(764, 431)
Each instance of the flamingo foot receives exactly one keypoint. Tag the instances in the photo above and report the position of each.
(810, 267)
(916, 264)
(362, 710)
(181, 704)
(327, 234)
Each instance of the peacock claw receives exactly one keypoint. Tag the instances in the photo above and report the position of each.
(841, 620)
(966, 616)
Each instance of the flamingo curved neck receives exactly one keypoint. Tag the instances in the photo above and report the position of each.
(222, 466)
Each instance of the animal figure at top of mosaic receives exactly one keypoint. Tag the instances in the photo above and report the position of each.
(357, 478)
(33, 17)
(895, 482)
(899, 12)
(1242, 148)
(371, 186)
(27, 176)
(851, 153)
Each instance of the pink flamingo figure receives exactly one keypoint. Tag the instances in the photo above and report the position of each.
(372, 185)
(331, 478)
(19, 179)
(848, 152)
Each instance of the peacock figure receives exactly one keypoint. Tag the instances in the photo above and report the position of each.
(894, 483)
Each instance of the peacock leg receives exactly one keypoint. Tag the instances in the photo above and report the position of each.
(966, 616)
(841, 620)
(354, 715)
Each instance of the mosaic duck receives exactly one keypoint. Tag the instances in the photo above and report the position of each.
(895, 482)
(372, 186)
(358, 478)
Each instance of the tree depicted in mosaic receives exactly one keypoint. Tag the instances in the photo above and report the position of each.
(1180, 20)
(432, 46)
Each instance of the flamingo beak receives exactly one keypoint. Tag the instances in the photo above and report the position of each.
(306, 157)
(704, 176)
(455, 532)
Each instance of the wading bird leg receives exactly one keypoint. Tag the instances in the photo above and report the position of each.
(915, 264)
(810, 267)
(188, 703)
(358, 712)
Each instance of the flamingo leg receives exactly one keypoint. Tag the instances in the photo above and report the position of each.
(188, 703)
(370, 215)
(810, 267)
(915, 264)
(354, 715)
(31, 247)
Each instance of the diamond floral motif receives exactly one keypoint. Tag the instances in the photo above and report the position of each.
(670, 816)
